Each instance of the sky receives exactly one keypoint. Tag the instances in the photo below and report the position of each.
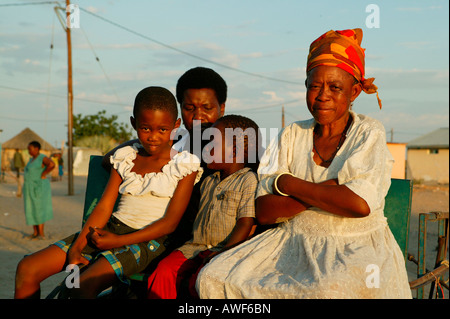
(259, 47)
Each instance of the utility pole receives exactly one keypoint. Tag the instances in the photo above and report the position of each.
(392, 135)
(282, 116)
(69, 101)
(66, 24)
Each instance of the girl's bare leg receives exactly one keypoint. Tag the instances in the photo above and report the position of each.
(35, 231)
(33, 269)
(40, 230)
(96, 278)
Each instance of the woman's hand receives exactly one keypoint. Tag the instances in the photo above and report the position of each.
(103, 239)
(274, 208)
(49, 165)
(327, 195)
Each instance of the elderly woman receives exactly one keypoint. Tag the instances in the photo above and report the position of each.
(324, 180)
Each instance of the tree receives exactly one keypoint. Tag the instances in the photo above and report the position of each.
(99, 131)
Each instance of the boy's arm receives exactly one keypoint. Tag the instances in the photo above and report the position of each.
(246, 210)
(240, 232)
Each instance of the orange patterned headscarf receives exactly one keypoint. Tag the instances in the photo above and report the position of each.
(342, 49)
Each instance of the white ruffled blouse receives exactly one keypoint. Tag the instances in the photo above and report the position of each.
(145, 198)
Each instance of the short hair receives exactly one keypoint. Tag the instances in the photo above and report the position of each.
(202, 78)
(35, 144)
(155, 98)
(251, 142)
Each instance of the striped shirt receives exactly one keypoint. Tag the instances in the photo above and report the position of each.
(222, 203)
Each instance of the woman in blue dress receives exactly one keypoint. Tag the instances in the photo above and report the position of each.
(36, 190)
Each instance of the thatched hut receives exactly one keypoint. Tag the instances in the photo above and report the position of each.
(20, 142)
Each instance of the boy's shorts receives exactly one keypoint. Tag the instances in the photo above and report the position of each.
(125, 260)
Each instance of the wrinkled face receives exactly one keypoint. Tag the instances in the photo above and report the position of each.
(330, 91)
(202, 105)
(153, 128)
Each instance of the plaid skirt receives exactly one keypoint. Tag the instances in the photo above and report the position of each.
(126, 260)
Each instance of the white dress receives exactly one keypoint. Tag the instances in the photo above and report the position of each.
(145, 198)
(317, 254)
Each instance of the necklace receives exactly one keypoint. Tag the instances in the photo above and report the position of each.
(341, 140)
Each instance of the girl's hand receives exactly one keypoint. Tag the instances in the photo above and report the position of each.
(103, 239)
(74, 257)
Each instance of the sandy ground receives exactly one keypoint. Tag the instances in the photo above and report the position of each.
(68, 213)
(14, 244)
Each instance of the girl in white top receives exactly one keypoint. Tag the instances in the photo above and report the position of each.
(155, 182)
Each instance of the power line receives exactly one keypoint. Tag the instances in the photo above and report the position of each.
(122, 104)
(161, 43)
(61, 96)
(259, 108)
(27, 3)
(101, 102)
(31, 120)
(49, 77)
(275, 105)
(185, 52)
(101, 66)
(155, 41)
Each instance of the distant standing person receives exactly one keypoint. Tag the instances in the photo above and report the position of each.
(18, 166)
(18, 162)
(60, 166)
(36, 190)
(54, 172)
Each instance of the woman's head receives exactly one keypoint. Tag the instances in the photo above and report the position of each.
(202, 94)
(34, 148)
(155, 115)
(341, 49)
(330, 93)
